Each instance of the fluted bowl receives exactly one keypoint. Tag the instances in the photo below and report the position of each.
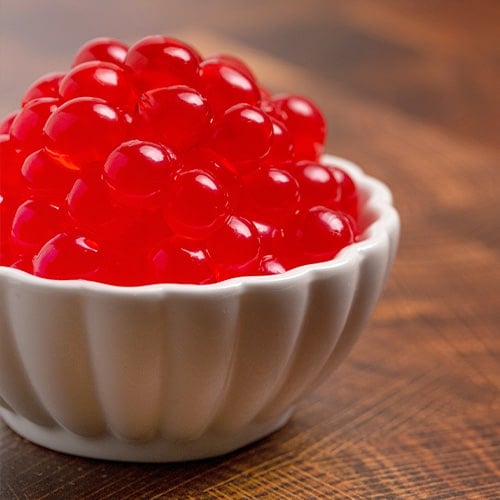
(177, 372)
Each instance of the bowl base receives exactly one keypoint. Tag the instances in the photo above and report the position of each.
(110, 447)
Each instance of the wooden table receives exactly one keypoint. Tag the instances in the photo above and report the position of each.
(410, 89)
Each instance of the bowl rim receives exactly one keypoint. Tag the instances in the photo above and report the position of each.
(380, 198)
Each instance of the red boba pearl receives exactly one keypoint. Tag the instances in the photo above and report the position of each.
(34, 222)
(102, 49)
(243, 134)
(270, 195)
(317, 184)
(235, 248)
(100, 79)
(219, 167)
(321, 233)
(45, 177)
(231, 61)
(348, 200)
(160, 61)
(182, 261)
(269, 264)
(92, 211)
(273, 240)
(225, 85)
(6, 123)
(27, 129)
(137, 172)
(85, 130)
(178, 116)
(46, 86)
(281, 150)
(197, 203)
(68, 256)
(305, 123)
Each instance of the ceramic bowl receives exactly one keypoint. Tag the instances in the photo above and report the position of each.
(177, 372)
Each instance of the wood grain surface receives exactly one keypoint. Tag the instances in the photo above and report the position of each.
(410, 89)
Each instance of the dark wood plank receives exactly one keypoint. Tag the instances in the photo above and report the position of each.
(410, 91)
(401, 54)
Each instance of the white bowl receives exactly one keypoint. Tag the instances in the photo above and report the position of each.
(176, 372)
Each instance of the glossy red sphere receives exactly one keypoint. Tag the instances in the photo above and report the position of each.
(269, 264)
(100, 79)
(348, 200)
(182, 261)
(46, 86)
(160, 61)
(243, 134)
(270, 195)
(178, 116)
(305, 123)
(35, 221)
(281, 150)
(317, 184)
(137, 172)
(197, 203)
(231, 61)
(26, 131)
(85, 130)
(235, 248)
(46, 177)
(225, 84)
(321, 233)
(102, 49)
(273, 239)
(68, 256)
(7, 122)
(93, 212)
